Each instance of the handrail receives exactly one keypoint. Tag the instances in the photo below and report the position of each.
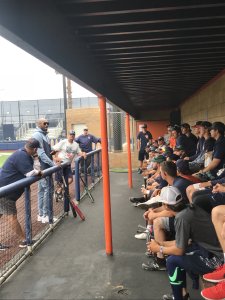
(12, 264)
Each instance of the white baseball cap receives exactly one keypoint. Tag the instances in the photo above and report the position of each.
(170, 195)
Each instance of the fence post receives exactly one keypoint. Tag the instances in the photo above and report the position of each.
(98, 164)
(77, 179)
(85, 171)
(28, 224)
(92, 169)
(105, 172)
(128, 151)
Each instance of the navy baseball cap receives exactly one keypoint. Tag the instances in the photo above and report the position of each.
(72, 132)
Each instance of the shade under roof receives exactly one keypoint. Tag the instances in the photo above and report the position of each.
(145, 56)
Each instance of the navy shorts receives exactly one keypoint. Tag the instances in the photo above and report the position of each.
(142, 155)
(66, 172)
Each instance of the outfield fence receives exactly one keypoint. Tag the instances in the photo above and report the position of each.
(85, 178)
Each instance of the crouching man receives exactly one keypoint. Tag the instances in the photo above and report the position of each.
(195, 250)
(21, 164)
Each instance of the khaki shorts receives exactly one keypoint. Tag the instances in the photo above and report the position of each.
(7, 206)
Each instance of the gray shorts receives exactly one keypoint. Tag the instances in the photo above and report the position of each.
(165, 223)
(7, 206)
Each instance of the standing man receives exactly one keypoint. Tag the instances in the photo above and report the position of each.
(21, 164)
(45, 185)
(66, 150)
(85, 141)
(143, 138)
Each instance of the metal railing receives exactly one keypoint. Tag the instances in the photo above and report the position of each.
(88, 172)
(86, 176)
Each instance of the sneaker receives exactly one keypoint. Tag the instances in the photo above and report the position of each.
(149, 254)
(154, 201)
(23, 244)
(39, 218)
(139, 171)
(3, 247)
(141, 236)
(157, 264)
(171, 297)
(216, 292)
(216, 276)
(136, 200)
(46, 219)
(59, 196)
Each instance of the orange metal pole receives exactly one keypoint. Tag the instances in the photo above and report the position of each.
(130, 183)
(105, 173)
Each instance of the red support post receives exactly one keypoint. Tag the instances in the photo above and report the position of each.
(130, 183)
(105, 173)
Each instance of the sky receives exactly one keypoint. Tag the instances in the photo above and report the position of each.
(24, 77)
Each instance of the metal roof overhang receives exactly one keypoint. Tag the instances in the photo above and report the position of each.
(145, 56)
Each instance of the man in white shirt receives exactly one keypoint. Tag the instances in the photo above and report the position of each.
(66, 150)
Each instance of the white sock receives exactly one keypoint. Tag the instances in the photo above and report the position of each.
(224, 257)
(150, 228)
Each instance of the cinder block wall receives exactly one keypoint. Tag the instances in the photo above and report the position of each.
(88, 116)
(91, 117)
(207, 104)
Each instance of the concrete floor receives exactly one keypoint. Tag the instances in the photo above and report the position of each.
(72, 264)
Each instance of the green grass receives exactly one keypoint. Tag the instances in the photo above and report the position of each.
(3, 157)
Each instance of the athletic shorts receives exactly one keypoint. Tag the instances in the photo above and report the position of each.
(66, 172)
(7, 206)
(168, 225)
(142, 154)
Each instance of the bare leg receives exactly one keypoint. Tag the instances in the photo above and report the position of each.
(70, 180)
(159, 233)
(218, 219)
(189, 191)
(15, 226)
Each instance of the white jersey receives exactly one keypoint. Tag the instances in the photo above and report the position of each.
(67, 151)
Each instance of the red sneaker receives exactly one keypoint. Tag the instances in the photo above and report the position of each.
(216, 292)
(216, 276)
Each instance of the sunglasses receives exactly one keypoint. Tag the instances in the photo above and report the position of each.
(46, 123)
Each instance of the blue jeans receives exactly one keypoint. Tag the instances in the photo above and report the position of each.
(45, 197)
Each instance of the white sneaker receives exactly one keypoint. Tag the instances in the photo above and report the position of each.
(141, 236)
(39, 218)
(46, 219)
(153, 200)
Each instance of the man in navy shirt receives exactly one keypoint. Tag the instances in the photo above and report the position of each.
(21, 164)
(85, 141)
(143, 138)
(218, 157)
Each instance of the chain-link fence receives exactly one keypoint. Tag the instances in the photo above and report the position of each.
(11, 252)
(87, 175)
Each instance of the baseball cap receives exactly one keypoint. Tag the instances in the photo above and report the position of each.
(218, 126)
(206, 124)
(185, 125)
(144, 126)
(72, 132)
(152, 149)
(179, 148)
(32, 143)
(160, 138)
(159, 159)
(197, 124)
(183, 166)
(170, 195)
(168, 151)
